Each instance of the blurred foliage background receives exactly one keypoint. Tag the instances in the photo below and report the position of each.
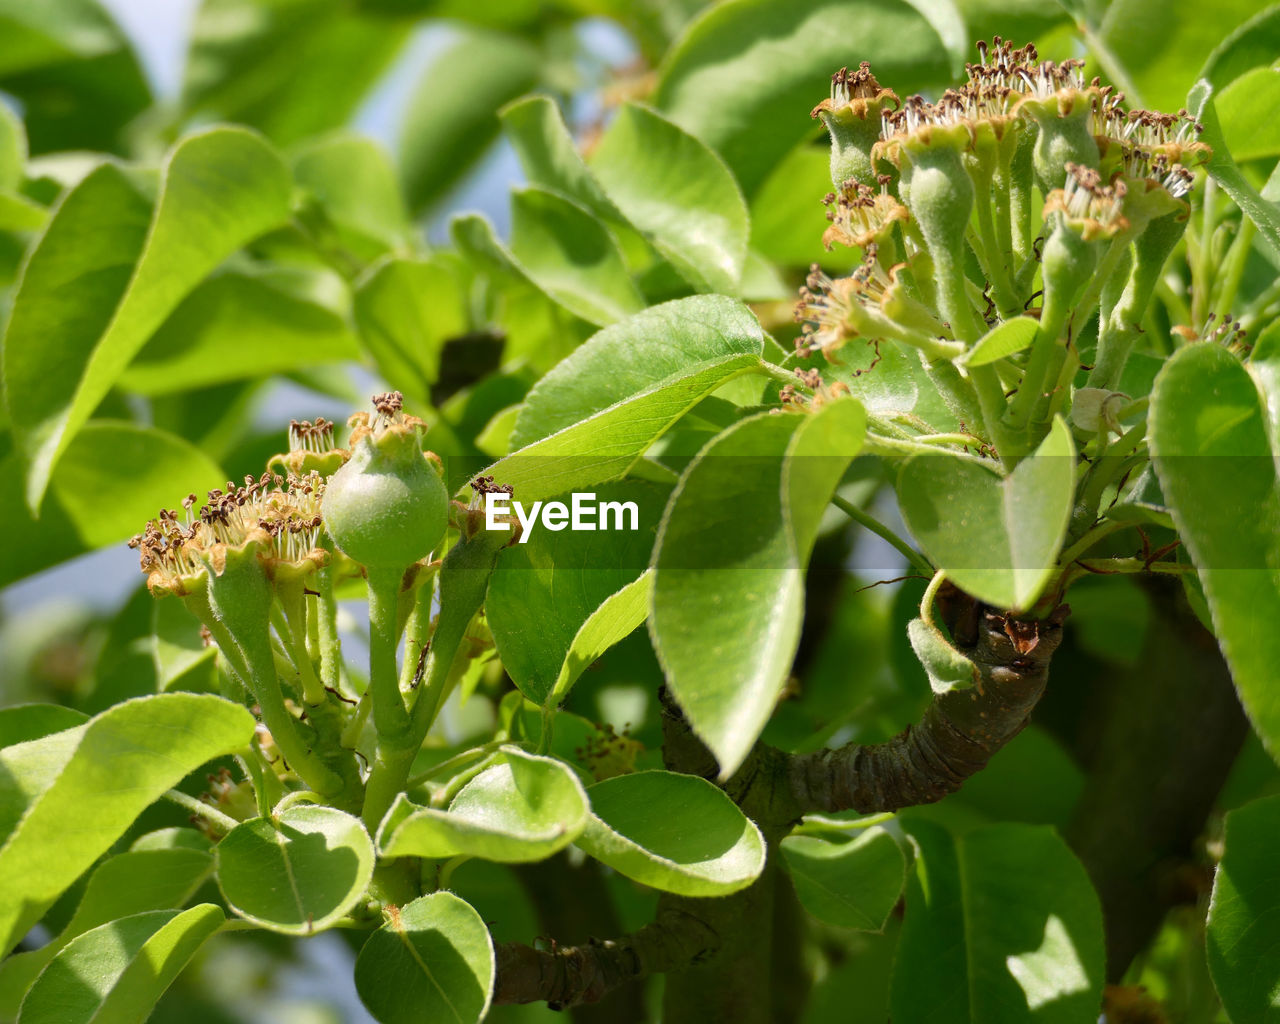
(404, 265)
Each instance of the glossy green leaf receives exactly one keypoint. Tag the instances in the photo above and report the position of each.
(1251, 44)
(125, 759)
(1244, 915)
(548, 154)
(291, 69)
(22, 722)
(1264, 214)
(570, 255)
(117, 972)
(659, 345)
(592, 417)
(405, 310)
(236, 326)
(1002, 926)
(544, 591)
(1244, 111)
(677, 833)
(1159, 76)
(219, 189)
(126, 884)
(997, 538)
(744, 75)
(1209, 435)
(678, 194)
(453, 114)
(298, 871)
(854, 884)
(432, 961)
(523, 808)
(617, 616)
(157, 465)
(1002, 340)
(728, 594)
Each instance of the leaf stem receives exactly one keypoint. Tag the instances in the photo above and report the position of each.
(292, 603)
(862, 518)
(222, 823)
(389, 715)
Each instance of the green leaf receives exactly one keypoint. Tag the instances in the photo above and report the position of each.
(1002, 340)
(853, 884)
(1244, 915)
(677, 833)
(546, 590)
(592, 418)
(1002, 926)
(117, 972)
(291, 68)
(570, 255)
(405, 310)
(236, 326)
(613, 621)
(743, 76)
(945, 666)
(356, 185)
(453, 114)
(298, 871)
(524, 808)
(1214, 457)
(22, 722)
(432, 961)
(1159, 76)
(75, 518)
(129, 883)
(1264, 214)
(73, 73)
(549, 156)
(18, 213)
(13, 150)
(945, 18)
(1252, 44)
(219, 189)
(787, 220)
(182, 660)
(1244, 109)
(728, 594)
(998, 538)
(678, 194)
(660, 345)
(125, 759)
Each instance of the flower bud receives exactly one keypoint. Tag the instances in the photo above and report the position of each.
(852, 118)
(386, 507)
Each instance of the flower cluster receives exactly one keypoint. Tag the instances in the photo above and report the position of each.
(939, 196)
(280, 516)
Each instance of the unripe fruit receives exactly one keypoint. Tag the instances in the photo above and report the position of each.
(386, 507)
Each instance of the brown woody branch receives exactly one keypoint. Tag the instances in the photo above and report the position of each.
(960, 730)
